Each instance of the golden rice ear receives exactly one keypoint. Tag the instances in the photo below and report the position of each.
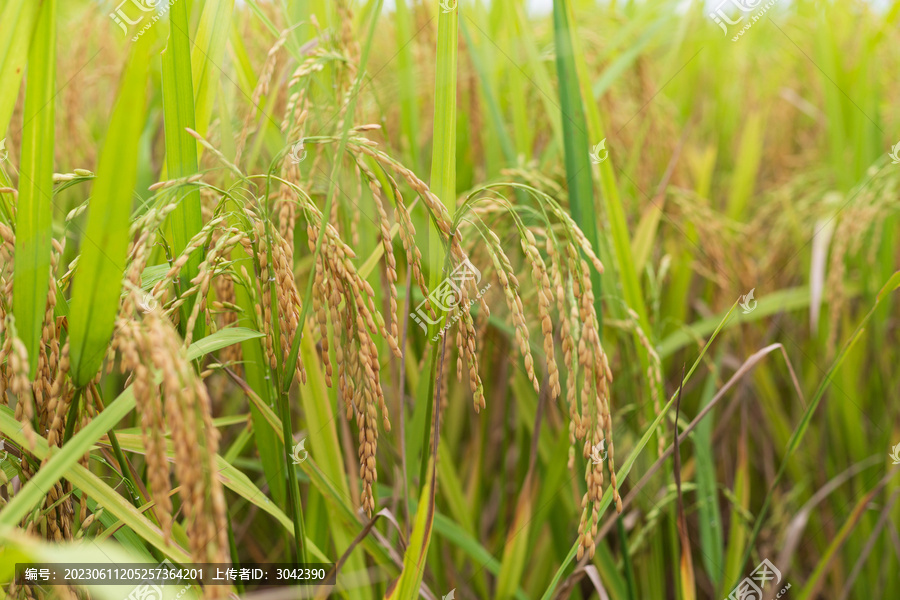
(390, 262)
(151, 346)
(19, 384)
(61, 396)
(545, 293)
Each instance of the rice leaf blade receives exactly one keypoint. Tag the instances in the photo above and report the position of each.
(710, 520)
(575, 140)
(625, 469)
(64, 458)
(233, 479)
(35, 207)
(887, 289)
(407, 586)
(181, 147)
(443, 149)
(19, 547)
(208, 49)
(408, 93)
(516, 548)
(16, 28)
(325, 447)
(97, 286)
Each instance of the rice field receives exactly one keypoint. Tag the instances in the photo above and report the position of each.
(449, 299)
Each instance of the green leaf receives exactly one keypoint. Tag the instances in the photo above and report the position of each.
(64, 458)
(710, 521)
(786, 300)
(575, 140)
(96, 291)
(409, 99)
(181, 148)
(35, 207)
(325, 447)
(747, 165)
(814, 584)
(234, 480)
(892, 284)
(450, 531)
(443, 148)
(16, 28)
(506, 143)
(221, 339)
(208, 50)
(516, 551)
(63, 462)
(592, 123)
(737, 532)
(407, 586)
(625, 469)
(18, 547)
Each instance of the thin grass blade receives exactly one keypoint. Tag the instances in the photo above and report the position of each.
(96, 290)
(35, 207)
(16, 29)
(181, 148)
(889, 287)
(206, 54)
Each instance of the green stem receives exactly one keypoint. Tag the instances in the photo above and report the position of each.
(443, 148)
(626, 559)
(72, 416)
(235, 557)
(294, 500)
(576, 146)
(429, 413)
(136, 497)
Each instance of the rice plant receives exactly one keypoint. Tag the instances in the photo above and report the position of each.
(449, 299)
